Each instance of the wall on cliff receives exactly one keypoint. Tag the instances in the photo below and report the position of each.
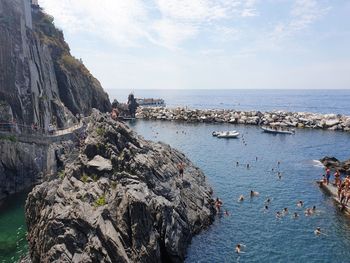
(40, 82)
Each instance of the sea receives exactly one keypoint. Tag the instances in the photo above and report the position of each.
(265, 237)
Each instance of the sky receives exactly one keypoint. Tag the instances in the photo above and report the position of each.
(209, 44)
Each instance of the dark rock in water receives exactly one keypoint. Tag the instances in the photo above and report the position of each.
(330, 162)
(334, 163)
(138, 211)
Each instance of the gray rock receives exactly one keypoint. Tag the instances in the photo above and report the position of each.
(100, 163)
(140, 211)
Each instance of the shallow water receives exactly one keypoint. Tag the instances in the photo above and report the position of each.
(267, 239)
(13, 243)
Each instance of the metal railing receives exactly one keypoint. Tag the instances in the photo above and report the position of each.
(21, 129)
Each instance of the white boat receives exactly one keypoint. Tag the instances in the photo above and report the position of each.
(277, 130)
(216, 133)
(228, 134)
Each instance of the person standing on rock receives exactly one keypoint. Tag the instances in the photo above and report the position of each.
(181, 168)
(328, 175)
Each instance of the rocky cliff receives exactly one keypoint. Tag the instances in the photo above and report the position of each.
(40, 82)
(121, 201)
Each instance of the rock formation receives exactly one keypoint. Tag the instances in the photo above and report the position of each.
(40, 82)
(274, 118)
(334, 163)
(120, 201)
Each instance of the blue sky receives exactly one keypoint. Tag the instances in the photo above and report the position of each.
(207, 44)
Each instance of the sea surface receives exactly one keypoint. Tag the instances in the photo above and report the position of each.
(321, 101)
(13, 241)
(266, 238)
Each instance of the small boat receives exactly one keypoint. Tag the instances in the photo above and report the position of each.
(216, 133)
(277, 130)
(228, 134)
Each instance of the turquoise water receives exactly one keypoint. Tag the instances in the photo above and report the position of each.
(13, 242)
(267, 239)
(322, 101)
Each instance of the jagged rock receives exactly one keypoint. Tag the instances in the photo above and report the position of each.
(100, 163)
(140, 211)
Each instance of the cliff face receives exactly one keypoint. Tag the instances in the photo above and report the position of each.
(121, 201)
(36, 85)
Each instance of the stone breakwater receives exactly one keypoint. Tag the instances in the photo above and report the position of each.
(274, 118)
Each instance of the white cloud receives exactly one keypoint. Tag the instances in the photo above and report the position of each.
(128, 23)
(303, 14)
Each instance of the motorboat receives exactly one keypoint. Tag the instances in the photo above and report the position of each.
(228, 134)
(276, 130)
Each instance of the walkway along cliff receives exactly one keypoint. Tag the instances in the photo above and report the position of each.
(41, 84)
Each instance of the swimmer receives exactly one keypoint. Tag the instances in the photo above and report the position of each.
(268, 200)
(256, 158)
(226, 213)
(237, 163)
(241, 198)
(314, 209)
(266, 208)
(278, 163)
(279, 175)
(253, 193)
(295, 215)
(272, 169)
(318, 231)
(239, 248)
(248, 166)
(285, 211)
(278, 214)
(308, 212)
(300, 203)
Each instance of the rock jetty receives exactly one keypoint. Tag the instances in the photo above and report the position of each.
(274, 118)
(121, 200)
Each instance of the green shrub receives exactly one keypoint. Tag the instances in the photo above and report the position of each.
(100, 201)
(100, 131)
(84, 178)
(95, 178)
(10, 138)
(61, 174)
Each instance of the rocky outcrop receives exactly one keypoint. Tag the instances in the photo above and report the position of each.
(24, 164)
(120, 201)
(40, 82)
(334, 163)
(274, 118)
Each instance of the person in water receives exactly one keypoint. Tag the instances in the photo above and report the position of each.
(253, 193)
(181, 168)
(218, 204)
(285, 211)
(248, 166)
(318, 231)
(226, 213)
(239, 248)
(278, 215)
(241, 198)
(295, 215)
(268, 200)
(300, 203)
